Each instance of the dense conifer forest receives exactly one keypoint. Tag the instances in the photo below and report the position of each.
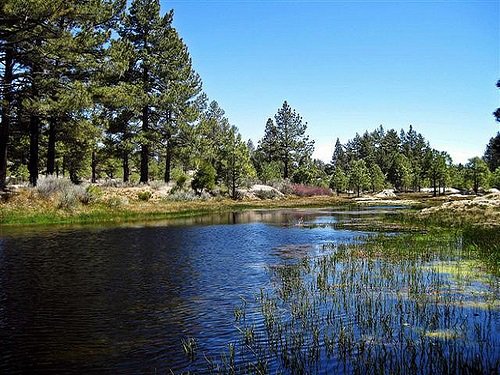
(98, 90)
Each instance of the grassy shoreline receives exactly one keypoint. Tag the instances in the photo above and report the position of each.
(28, 209)
(45, 213)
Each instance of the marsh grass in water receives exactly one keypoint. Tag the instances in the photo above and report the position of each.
(189, 348)
(480, 218)
(407, 303)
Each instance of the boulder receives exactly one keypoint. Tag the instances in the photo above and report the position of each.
(386, 193)
(265, 192)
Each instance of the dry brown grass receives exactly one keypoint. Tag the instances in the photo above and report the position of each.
(123, 204)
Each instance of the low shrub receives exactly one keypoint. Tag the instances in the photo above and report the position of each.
(116, 202)
(265, 194)
(309, 191)
(284, 186)
(66, 194)
(182, 196)
(93, 194)
(248, 182)
(180, 177)
(110, 182)
(69, 198)
(50, 186)
(240, 194)
(204, 196)
(156, 184)
(144, 195)
(18, 175)
(181, 181)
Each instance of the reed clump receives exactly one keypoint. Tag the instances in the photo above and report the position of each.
(387, 304)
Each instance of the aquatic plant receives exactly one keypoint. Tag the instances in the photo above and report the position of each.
(409, 303)
(189, 347)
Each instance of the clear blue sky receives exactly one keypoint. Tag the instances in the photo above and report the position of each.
(349, 66)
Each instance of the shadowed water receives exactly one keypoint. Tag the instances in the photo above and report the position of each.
(121, 299)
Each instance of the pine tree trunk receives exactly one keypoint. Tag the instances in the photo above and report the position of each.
(232, 175)
(285, 172)
(73, 176)
(126, 170)
(145, 148)
(234, 183)
(168, 162)
(5, 125)
(51, 147)
(145, 127)
(34, 128)
(94, 167)
(33, 160)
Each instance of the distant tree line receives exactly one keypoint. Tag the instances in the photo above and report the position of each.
(368, 162)
(405, 161)
(98, 89)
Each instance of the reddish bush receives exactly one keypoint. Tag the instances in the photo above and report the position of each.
(309, 191)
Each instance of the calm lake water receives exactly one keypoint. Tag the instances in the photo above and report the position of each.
(121, 299)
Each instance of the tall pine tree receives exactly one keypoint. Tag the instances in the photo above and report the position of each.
(288, 136)
(148, 33)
